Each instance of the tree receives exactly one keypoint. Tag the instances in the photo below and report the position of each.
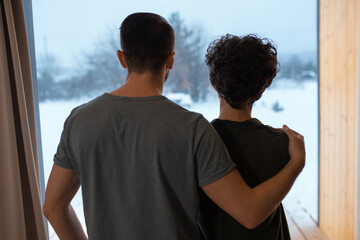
(102, 70)
(310, 66)
(48, 71)
(295, 68)
(292, 68)
(189, 74)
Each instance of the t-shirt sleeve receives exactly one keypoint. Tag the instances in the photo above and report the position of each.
(212, 158)
(61, 157)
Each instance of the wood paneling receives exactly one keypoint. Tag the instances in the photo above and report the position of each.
(338, 61)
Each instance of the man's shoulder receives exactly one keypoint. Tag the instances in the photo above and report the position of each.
(180, 108)
(269, 131)
(178, 112)
(85, 111)
(276, 132)
(274, 137)
(275, 140)
(250, 131)
(94, 109)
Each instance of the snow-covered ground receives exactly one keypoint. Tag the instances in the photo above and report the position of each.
(296, 106)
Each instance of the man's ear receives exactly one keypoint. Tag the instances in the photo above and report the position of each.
(121, 57)
(170, 61)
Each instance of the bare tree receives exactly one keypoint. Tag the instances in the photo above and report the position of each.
(100, 71)
(190, 73)
(102, 68)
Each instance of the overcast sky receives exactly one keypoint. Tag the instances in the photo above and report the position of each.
(71, 27)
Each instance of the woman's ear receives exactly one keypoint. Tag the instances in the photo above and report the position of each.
(170, 61)
(121, 57)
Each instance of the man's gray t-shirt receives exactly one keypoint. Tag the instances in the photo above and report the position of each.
(140, 162)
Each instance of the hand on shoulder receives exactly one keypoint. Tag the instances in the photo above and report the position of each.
(296, 148)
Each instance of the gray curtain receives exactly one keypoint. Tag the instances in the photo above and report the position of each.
(20, 201)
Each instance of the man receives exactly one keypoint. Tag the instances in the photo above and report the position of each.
(259, 151)
(140, 157)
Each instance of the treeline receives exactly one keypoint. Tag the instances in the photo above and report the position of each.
(100, 70)
(298, 70)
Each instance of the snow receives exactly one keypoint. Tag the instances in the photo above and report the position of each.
(180, 98)
(297, 107)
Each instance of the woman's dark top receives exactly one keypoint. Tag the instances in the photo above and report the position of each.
(260, 152)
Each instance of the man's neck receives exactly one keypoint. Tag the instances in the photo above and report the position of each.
(141, 85)
(238, 115)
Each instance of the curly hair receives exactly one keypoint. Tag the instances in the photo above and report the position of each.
(241, 68)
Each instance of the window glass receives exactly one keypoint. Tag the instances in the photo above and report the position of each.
(76, 43)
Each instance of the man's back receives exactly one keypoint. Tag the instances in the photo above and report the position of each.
(260, 152)
(139, 161)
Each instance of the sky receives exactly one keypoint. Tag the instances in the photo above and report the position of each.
(68, 28)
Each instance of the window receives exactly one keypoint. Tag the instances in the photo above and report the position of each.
(76, 43)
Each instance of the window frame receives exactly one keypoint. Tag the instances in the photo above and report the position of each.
(27, 5)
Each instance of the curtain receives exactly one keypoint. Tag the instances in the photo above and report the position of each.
(20, 201)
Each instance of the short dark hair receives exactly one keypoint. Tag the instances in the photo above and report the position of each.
(147, 39)
(241, 68)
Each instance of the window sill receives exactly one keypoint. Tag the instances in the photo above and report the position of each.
(301, 225)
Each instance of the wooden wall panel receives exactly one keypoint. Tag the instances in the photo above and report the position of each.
(338, 61)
